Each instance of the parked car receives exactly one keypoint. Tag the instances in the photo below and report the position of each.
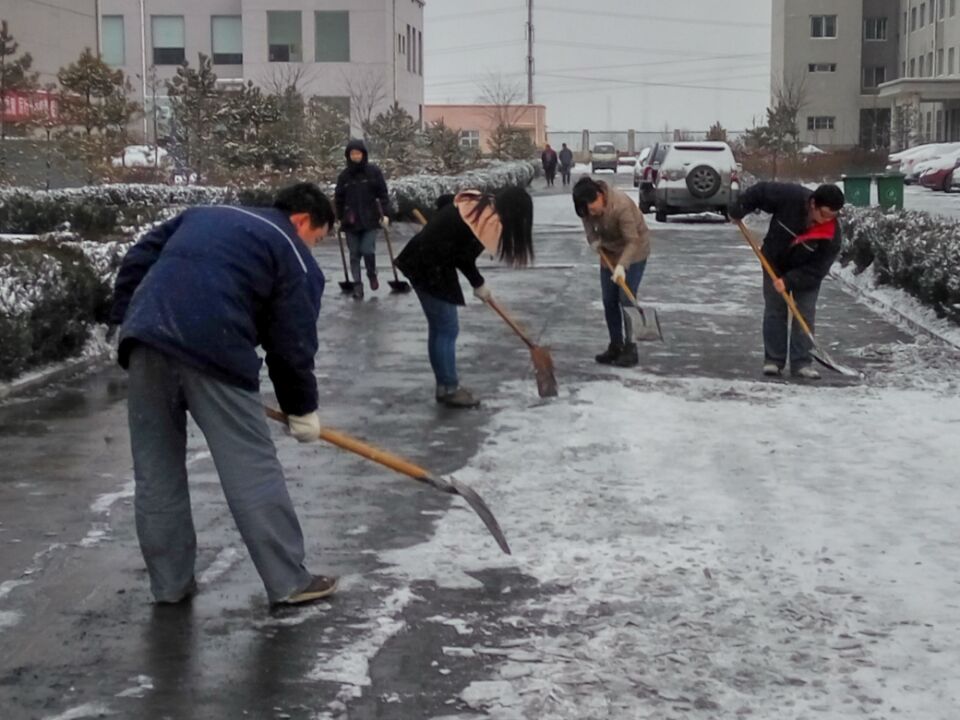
(638, 166)
(938, 174)
(603, 157)
(907, 162)
(697, 177)
(645, 177)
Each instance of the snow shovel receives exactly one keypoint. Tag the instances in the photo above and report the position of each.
(645, 330)
(405, 467)
(346, 285)
(818, 353)
(396, 285)
(542, 361)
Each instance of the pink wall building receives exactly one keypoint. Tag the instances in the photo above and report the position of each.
(477, 122)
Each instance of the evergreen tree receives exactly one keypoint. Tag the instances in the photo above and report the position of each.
(446, 154)
(195, 102)
(15, 75)
(392, 135)
(328, 130)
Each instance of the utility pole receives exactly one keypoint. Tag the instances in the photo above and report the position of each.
(143, 70)
(530, 52)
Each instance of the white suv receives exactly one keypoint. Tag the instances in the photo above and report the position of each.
(697, 177)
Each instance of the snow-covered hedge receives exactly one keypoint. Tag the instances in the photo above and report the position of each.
(52, 290)
(100, 210)
(907, 249)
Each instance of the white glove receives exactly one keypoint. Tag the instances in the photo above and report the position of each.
(482, 293)
(594, 245)
(619, 274)
(335, 228)
(384, 222)
(305, 428)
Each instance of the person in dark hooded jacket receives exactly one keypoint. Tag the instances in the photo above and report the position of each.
(363, 206)
(801, 244)
(194, 298)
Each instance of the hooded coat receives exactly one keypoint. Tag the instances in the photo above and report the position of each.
(361, 197)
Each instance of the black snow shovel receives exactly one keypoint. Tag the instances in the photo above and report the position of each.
(405, 467)
(396, 285)
(346, 285)
(645, 330)
(818, 353)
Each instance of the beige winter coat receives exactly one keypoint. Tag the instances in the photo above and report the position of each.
(621, 230)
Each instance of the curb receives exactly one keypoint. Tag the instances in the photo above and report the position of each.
(53, 373)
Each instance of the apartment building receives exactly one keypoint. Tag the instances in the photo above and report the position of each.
(837, 56)
(335, 48)
(926, 96)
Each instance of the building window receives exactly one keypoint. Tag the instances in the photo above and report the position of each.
(284, 36)
(226, 39)
(913, 67)
(940, 62)
(923, 14)
(953, 7)
(903, 68)
(929, 127)
(875, 29)
(409, 46)
(874, 76)
(166, 34)
(420, 51)
(111, 35)
(470, 138)
(823, 26)
(820, 122)
(332, 34)
(413, 50)
(822, 67)
(942, 7)
(930, 64)
(951, 61)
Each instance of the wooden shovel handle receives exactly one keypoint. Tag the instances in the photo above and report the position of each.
(622, 283)
(768, 268)
(418, 216)
(509, 321)
(358, 447)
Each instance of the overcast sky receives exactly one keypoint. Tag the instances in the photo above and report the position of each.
(609, 64)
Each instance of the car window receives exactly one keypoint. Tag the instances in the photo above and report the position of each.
(661, 153)
(604, 148)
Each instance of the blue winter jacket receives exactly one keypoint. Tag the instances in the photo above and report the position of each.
(211, 285)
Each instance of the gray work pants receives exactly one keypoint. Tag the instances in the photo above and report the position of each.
(161, 392)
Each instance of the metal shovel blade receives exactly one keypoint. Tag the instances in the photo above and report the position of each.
(480, 508)
(543, 369)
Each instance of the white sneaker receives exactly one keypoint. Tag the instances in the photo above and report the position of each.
(771, 369)
(807, 372)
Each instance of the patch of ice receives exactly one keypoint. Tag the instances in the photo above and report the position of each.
(104, 502)
(456, 623)
(143, 684)
(87, 710)
(226, 559)
(490, 695)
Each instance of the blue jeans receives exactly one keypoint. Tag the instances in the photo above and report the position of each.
(443, 326)
(775, 314)
(614, 300)
(362, 244)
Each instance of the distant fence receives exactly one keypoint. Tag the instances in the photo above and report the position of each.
(630, 141)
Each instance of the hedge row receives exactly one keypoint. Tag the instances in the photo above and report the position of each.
(105, 210)
(54, 288)
(910, 250)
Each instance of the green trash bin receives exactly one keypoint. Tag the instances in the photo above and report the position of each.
(856, 188)
(890, 190)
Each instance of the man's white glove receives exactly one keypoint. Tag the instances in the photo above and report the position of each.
(482, 293)
(305, 428)
(619, 274)
(594, 245)
(384, 222)
(335, 228)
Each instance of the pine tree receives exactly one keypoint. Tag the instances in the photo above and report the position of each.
(717, 132)
(242, 121)
(446, 154)
(392, 136)
(15, 75)
(195, 102)
(328, 130)
(94, 110)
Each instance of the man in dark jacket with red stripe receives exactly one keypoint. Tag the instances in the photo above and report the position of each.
(801, 244)
(195, 297)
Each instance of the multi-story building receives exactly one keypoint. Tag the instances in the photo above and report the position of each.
(926, 96)
(54, 32)
(834, 57)
(368, 52)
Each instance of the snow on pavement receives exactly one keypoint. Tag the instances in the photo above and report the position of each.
(719, 547)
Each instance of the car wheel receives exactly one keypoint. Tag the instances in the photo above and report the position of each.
(661, 215)
(636, 183)
(703, 182)
(593, 169)
(725, 212)
(947, 182)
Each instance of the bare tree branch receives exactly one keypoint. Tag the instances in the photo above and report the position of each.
(367, 94)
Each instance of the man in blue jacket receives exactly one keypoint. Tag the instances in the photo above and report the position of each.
(195, 297)
(801, 244)
(363, 206)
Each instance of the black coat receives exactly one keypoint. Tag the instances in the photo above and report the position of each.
(549, 159)
(361, 196)
(802, 259)
(566, 157)
(211, 285)
(432, 257)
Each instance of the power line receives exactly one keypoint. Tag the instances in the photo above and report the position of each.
(658, 18)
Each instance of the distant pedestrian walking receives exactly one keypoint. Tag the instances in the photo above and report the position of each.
(566, 164)
(548, 158)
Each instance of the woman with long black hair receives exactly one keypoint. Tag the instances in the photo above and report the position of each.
(458, 233)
